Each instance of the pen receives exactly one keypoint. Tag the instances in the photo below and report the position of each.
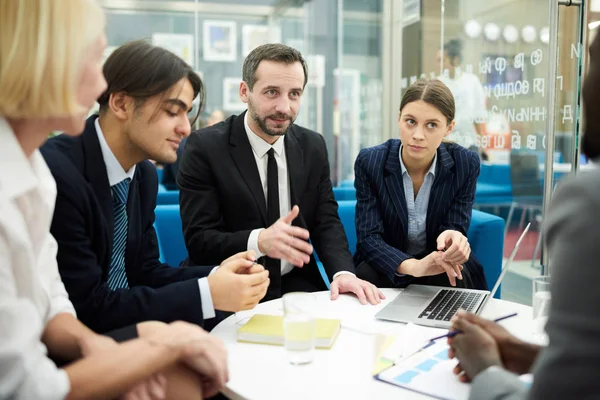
(454, 333)
(412, 353)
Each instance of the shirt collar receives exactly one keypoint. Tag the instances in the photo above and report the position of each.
(259, 146)
(431, 169)
(115, 172)
(32, 172)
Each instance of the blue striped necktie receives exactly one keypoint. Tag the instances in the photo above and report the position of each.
(117, 278)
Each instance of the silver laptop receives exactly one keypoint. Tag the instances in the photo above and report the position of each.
(435, 306)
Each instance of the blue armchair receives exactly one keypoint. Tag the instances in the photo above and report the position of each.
(170, 234)
(346, 212)
(486, 236)
(344, 193)
(167, 197)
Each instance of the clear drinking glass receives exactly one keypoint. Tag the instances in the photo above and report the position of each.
(541, 305)
(299, 327)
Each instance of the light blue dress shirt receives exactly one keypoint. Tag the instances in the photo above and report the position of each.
(417, 207)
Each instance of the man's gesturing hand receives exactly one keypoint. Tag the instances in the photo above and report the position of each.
(286, 242)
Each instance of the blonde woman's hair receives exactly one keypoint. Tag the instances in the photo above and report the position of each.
(43, 44)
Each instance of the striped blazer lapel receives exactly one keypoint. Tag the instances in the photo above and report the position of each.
(395, 186)
(441, 189)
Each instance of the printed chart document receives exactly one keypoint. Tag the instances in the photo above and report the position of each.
(410, 339)
(428, 372)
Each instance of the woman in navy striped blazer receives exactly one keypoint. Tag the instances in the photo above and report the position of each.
(414, 199)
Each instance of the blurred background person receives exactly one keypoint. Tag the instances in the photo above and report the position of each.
(468, 96)
(215, 117)
(170, 170)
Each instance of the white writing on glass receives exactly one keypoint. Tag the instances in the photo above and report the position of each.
(531, 142)
(515, 140)
(539, 86)
(537, 57)
(522, 114)
(575, 50)
(520, 61)
(485, 67)
(567, 113)
(500, 65)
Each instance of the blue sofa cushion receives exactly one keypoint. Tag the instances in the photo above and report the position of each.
(492, 193)
(486, 237)
(170, 234)
(167, 197)
(344, 193)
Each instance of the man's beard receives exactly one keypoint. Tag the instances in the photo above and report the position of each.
(262, 123)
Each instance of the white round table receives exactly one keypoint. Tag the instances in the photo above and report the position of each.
(262, 372)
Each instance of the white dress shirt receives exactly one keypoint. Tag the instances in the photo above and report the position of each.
(116, 174)
(260, 149)
(31, 291)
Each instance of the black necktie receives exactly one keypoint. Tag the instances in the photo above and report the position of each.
(272, 189)
(273, 265)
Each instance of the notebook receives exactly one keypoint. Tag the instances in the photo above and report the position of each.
(268, 329)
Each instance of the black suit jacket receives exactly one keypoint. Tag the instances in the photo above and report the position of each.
(222, 199)
(83, 227)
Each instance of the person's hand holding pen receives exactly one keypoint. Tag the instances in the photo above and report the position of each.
(239, 283)
(475, 349)
(483, 343)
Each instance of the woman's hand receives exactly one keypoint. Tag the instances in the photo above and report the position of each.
(433, 264)
(455, 246)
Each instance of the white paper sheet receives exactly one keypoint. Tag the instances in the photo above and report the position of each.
(428, 372)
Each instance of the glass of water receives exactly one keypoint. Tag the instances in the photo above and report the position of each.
(299, 327)
(541, 305)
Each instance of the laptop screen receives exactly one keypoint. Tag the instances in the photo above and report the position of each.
(509, 261)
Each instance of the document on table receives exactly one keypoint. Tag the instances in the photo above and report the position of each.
(410, 339)
(428, 372)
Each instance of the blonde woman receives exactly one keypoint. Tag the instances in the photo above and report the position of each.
(50, 76)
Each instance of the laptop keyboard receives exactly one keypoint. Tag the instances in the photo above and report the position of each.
(447, 302)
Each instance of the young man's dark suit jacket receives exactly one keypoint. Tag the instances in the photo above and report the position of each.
(222, 199)
(83, 228)
(382, 216)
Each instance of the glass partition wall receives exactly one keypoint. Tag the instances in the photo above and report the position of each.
(341, 40)
(514, 67)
